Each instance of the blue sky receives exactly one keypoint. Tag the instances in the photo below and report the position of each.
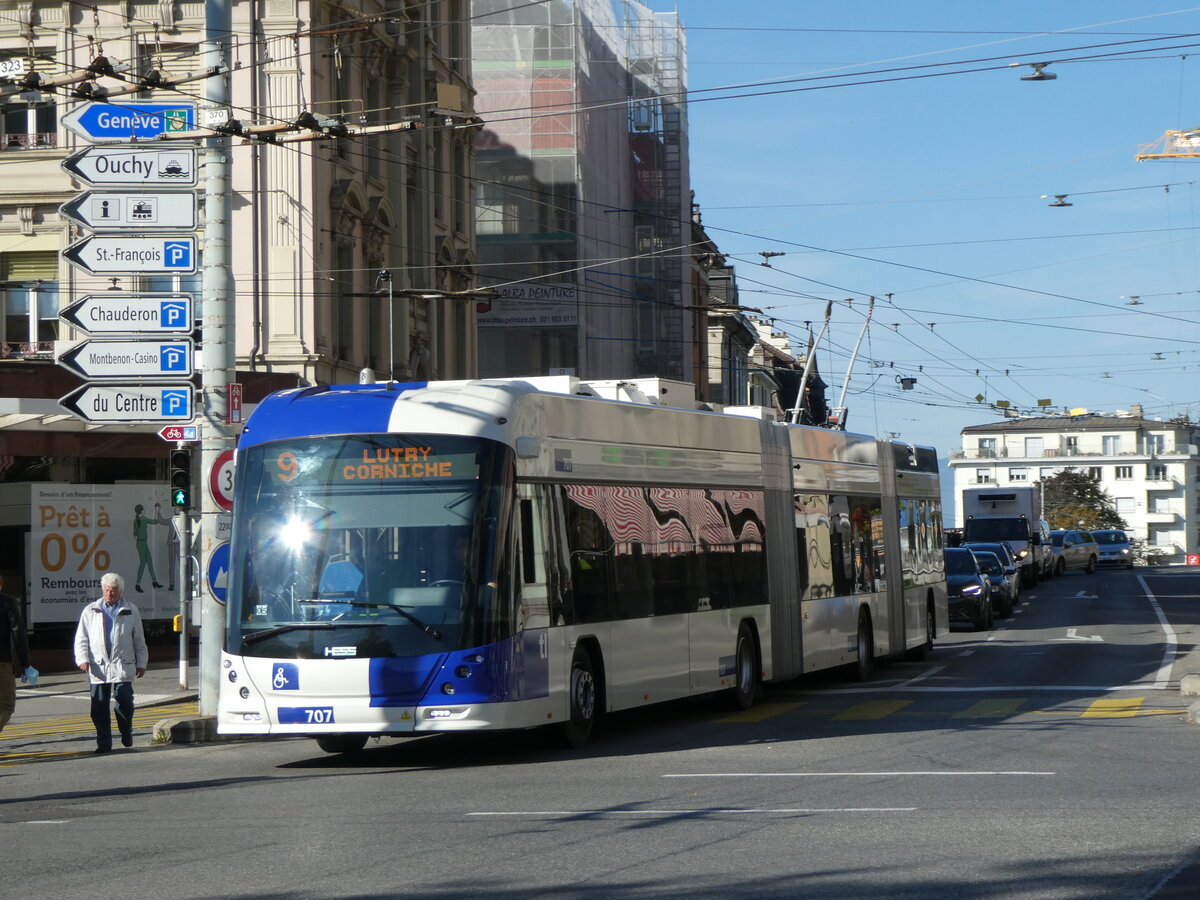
(930, 189)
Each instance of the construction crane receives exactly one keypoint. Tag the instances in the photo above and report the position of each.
(1172, 145)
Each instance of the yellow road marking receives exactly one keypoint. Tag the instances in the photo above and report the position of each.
(142, 718)
(872, 709)
(761, 712)
(1114, 708)
(990, 709)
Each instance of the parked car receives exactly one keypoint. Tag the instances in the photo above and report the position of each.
(1075, 550)
(1002, 588)
(1115, 547)
(1012, 568)
(968, 590)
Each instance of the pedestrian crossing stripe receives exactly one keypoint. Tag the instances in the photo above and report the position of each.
(991, 708)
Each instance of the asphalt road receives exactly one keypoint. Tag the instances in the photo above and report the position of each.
(1046, 758)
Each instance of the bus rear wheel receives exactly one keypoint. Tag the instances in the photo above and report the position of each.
(866, 649)
(342, 743)
(582, 689)
(925, 650)
(745, 669)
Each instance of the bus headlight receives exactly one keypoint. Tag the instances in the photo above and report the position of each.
(244, 693)
(447, 688)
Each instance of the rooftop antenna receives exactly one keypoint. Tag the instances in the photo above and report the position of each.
(837, 415)
(794, 414)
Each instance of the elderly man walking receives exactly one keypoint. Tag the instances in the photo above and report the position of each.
(110, 645)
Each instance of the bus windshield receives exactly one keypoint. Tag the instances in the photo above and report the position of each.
(367, 545)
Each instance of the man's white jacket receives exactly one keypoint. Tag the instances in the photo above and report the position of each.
(128, 652)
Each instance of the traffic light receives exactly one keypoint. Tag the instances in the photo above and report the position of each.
(181, 479)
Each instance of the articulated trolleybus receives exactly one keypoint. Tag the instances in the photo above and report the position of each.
(511, 553)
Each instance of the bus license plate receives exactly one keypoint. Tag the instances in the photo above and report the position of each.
(306, 715)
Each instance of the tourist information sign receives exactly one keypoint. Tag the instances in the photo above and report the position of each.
(132, 210)
(117, 312)
(111, 165)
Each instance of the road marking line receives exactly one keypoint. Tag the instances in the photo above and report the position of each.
(718, 811)
(871, 710)
(947, 772)
(1113, 708)
(990, 709)
(761, 712)
(1164, 671)
(922, 676)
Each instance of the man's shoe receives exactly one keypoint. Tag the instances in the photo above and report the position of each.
(127, 740)
(102, 750)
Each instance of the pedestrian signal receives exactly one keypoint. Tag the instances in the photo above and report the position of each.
(181, 479)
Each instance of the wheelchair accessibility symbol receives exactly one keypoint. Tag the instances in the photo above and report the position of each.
(285, 677)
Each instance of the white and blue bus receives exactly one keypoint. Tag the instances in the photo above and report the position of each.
(511, 553)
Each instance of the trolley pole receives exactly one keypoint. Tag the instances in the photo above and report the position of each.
(218, 368)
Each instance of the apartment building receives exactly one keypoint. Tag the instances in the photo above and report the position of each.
(1149, 467)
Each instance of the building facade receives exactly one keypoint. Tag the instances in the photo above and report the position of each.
(583, 204)
(1149, 467)
(352, 221)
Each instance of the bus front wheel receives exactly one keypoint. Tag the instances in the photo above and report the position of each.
(342, 743)
(578, 729)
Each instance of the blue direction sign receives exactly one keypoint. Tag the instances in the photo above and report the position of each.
(133, 255)
(133, 358)
(131, 404)
(126, 120)
(117, 312)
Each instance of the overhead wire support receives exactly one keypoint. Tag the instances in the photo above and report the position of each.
(794, 415)
(837, 415)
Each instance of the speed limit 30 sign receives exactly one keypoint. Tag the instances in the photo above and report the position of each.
(220, 480)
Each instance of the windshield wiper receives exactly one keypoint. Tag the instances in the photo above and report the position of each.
(428, 629)
(257, 636)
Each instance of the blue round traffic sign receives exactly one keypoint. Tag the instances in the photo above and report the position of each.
(218, 572)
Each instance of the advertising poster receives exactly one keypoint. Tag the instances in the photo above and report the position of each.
(80, 531)
(537, 305)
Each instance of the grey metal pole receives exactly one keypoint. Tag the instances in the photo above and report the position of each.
(183, 531)
(218, 368)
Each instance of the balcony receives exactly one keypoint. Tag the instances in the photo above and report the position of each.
(42, 140)
(27, 350)
(1162, 484)
(1162, 517)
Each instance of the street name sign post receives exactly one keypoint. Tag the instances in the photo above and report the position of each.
(132, 210)
(110, 165)
(128, 120)
(114, 313)
(134, 255)
(131, 404)
(134, 358)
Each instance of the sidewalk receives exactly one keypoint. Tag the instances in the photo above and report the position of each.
(60, 695)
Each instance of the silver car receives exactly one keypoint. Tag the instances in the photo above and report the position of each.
(1075, 550)
(1115, 547)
